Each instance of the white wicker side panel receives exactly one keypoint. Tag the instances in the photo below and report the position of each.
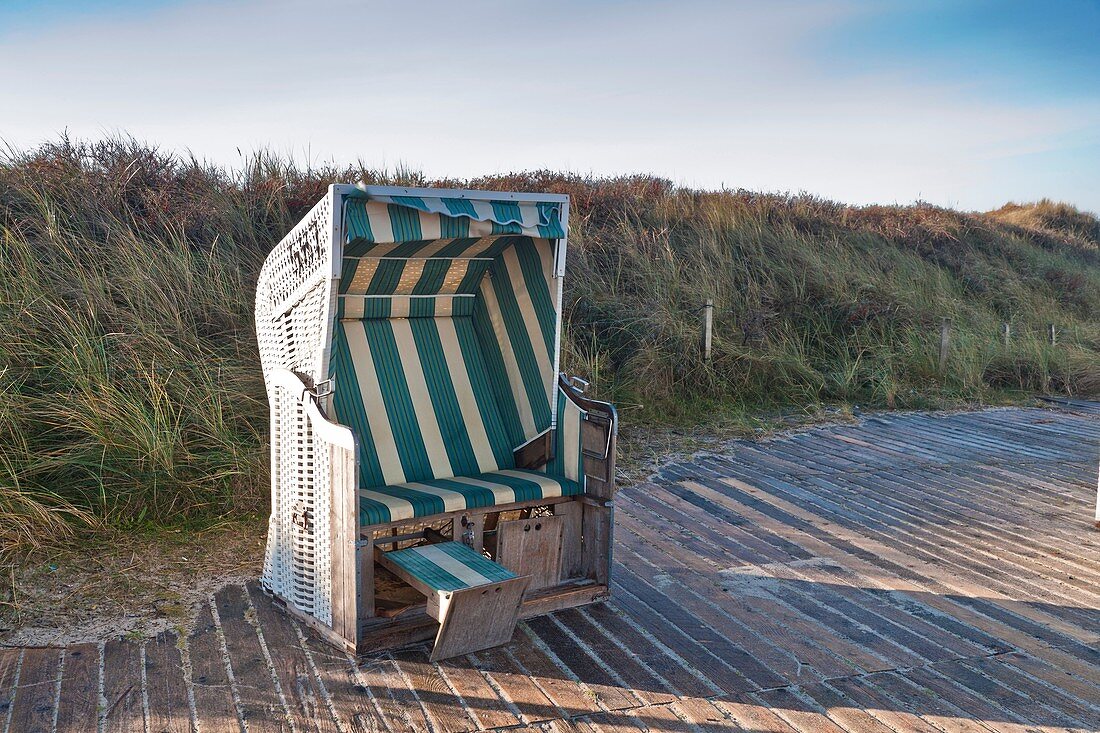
(296, 513)
(293, 313)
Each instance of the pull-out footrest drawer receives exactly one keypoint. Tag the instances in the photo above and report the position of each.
(475, 600)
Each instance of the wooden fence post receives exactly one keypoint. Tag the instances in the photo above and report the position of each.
(945, 343)
(1006, 333)
(708, 323)
(1052, 335)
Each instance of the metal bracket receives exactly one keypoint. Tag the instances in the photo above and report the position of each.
(302, 517)
(579, 384)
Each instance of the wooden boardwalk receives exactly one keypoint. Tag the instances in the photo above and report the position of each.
(910, 573)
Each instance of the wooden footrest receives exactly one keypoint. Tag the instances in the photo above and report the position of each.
(475, 600)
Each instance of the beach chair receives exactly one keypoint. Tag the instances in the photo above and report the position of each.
(432, 473)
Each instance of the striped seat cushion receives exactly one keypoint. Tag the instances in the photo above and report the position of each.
(449, 566)
(400, 502)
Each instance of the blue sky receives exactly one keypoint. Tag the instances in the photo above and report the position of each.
(969, 103)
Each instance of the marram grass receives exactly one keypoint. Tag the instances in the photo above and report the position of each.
(132, 388)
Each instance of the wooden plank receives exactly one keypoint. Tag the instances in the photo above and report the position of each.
(751, 715)
(843, 711)
(1061, 679)
(169, 709)
(802, 641)
(705, 715)
(564, 596)
(260, 706)
(122, 693)
(446, 710)
(661, 717)
(822, 582)
(596, 542)
(800, 712)
(962, 697)
(791, 522)
(868, 649)
(748, 659)
(1076, 713)
(998, 541)
(930, 706)
(971, 555)
(613, 721)
(400, 707)
(885, 710)
(531, 703)
(571, 513)
(560, 684)
(78, 703)
(337, 675)
(9, 679)
(213, 694)
(304, 696)
(350, 566)
(36, 695)
(948, 589)
(472, 619)
(996, 582)
(532, 547)
(714, 660)
(626, 663)
(465, 676)
(663, 660)
(610, 693)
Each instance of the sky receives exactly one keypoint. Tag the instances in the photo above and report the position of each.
(962, 103)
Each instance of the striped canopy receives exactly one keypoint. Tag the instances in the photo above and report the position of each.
(397, 219)
(445, 353)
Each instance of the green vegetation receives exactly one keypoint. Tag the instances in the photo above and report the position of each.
(132, 388)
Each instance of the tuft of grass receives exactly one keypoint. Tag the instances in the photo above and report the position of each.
(128, 359)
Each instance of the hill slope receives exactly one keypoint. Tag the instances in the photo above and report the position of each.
(133, 387)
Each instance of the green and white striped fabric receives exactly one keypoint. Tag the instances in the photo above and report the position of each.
(568, 460)
(401, 219)
(516, 322)
(444, 350)
(457, 493)
(480, 334)
(416, 393)
(449, 566)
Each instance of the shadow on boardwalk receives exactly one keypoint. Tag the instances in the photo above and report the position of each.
(913, 572)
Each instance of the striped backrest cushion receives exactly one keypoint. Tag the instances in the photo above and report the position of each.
(516, 324)
(444, 354)
(417, 394)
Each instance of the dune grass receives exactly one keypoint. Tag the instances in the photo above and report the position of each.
(133, 396)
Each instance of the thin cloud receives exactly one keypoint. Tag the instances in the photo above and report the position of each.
(709, 93)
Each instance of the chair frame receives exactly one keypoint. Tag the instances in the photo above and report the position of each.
(322, 567)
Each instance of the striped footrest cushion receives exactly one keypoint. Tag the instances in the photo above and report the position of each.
(448, 566)
(400, 502)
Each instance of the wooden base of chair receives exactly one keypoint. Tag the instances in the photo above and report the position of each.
(415, 625)
(475, 600)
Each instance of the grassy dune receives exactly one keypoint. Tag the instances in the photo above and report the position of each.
(132, 391)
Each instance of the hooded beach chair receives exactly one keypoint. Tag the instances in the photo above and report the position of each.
(432, 473)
